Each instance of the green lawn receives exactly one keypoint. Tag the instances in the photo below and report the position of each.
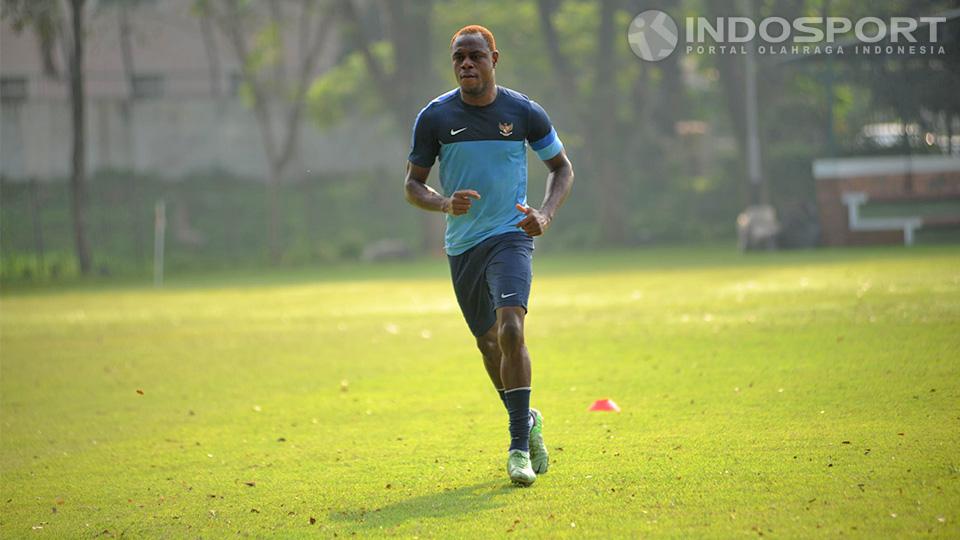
(794, 395)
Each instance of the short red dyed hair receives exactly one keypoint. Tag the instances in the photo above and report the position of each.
(476, 29)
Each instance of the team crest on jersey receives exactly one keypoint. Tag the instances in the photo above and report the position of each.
(506, 129)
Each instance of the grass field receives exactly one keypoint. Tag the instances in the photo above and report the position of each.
(793, 395)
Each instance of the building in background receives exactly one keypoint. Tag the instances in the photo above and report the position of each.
(179, 112)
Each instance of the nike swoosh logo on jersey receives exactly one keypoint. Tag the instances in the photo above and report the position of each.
(507, 295)
(455, 131)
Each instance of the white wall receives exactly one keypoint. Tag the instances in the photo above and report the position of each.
(183, 130)
(173, 138)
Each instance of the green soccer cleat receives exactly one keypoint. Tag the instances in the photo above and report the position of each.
(538, 451)
(518, 467)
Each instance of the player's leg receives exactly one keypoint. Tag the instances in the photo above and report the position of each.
(515, 373)
(490, 349)
(515, 362)
(473, 295)
(509, 274)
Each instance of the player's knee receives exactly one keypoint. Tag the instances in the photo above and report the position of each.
(510, 331)
(488, 346)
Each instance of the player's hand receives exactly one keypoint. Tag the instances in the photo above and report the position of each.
(459, 203)
(535, 223)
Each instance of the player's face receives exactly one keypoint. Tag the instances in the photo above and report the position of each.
(473, 63)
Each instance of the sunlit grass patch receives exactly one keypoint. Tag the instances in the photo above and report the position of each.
(799, 394)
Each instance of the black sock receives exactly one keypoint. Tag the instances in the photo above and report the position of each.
(518, 406)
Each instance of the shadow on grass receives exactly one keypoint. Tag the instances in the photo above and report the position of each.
(460, 502)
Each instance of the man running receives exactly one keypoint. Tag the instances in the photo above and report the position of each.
(480, 132)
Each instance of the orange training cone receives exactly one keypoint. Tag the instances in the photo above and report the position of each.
(604, 405)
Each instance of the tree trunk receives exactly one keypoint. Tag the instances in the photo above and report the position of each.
(126, 48)
(46, 31)
(672, 94)
(278, 98)
(78, 164)
(213, 55)
(411, 36)
(126, 108)
(273, 212)
(732, 77)
(612, 194)
(592, 157)
(410, 85)
(37, 220)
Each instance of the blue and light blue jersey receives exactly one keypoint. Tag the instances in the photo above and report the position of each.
(484, 149)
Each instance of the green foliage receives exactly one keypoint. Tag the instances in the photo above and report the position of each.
(266, 48)
(666, 200)
(113, 4)
(44, 18)
(347, 90)
(40, 14)
(577, 24)
(200, 8)
(514, 24)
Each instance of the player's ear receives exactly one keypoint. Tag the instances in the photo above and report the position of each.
(496, 56)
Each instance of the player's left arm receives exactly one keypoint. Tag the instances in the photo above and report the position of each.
(559, 182)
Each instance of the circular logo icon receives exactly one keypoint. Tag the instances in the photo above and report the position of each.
(652, 35)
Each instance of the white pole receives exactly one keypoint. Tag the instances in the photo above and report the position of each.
(159, 234)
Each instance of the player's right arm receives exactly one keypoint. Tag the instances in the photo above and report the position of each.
(424, 149)
(421, 195)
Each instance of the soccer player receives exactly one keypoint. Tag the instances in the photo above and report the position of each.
(480, 131)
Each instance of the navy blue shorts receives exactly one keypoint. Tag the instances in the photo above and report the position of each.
(492, 274)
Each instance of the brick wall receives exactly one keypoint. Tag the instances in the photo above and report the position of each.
(897, 185)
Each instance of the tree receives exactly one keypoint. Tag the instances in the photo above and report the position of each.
(202, 11)
(404, 84)
(125, 28)
(276, 96)
(47, 19)
(917, 89)
(614, 109)
(601, 119)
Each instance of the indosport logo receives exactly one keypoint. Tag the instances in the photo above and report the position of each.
(653, 35)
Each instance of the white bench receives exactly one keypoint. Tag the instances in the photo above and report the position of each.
(855, 199)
